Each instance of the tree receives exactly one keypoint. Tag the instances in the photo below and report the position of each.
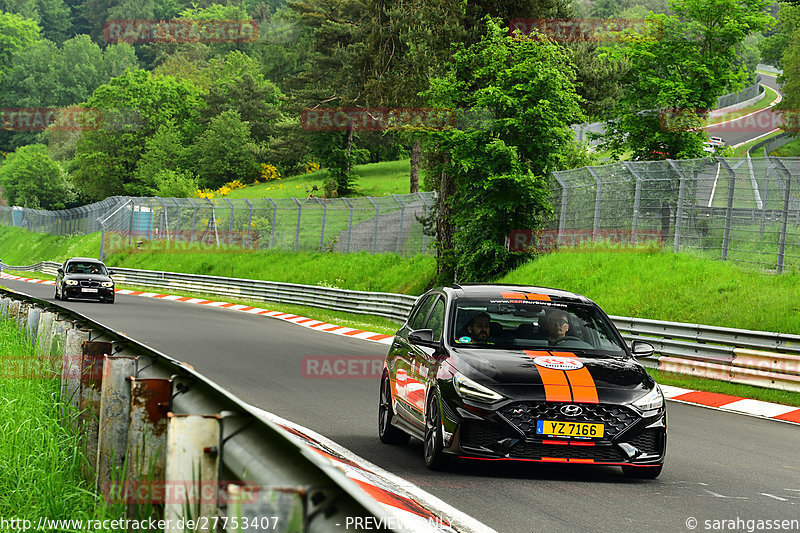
(789, 20)
(221, 152)
(166, 150)
(490, 170)
(679, 65)
(16, 34)
(30, 178)
(134, 106)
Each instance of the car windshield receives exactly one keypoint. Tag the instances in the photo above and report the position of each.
(80, 267)
(531, 324)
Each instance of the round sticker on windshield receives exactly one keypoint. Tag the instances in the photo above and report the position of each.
(558, 363)
(465, 339)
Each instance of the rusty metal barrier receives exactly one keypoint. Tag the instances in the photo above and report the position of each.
(168, 442)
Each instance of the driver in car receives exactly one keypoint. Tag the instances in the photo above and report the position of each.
(556, 325)
(479, 328)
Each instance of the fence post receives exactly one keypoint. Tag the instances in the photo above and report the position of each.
(297, 230)
(400, 226)
(194, 220)
(728, 209)
(785, 218)
(112, 436)
(322, 231)
(349, 224)
(177, 219)
(637, 200)
(679, 212)
(563, 215)
(249, 224)
(230, 223)
(272, 226)
(770, 167)
(150, 225)
(130, 223)
(598, 198)
(424, 214)
(375, 232)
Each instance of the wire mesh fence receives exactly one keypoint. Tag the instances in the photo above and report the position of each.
(375, 224)
(743, 210)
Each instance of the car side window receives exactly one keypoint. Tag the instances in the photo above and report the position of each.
(418, 320)
(436, 321)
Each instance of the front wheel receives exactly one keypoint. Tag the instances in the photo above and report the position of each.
(55, 296)
(434, 454)
(642, 472)
(386, 431)
(63, 294)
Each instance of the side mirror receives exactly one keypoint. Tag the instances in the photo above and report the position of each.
(642, 349)
(422, 337)
(112, 273)
(60, 271)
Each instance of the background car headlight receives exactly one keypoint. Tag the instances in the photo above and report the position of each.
(468, 389)
(70, 282)
(106, 283)
(651, 401)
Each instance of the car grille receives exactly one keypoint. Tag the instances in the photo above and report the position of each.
(89, 283)
(477, 434)
(646, 441)
(607, 454)
(524, 415)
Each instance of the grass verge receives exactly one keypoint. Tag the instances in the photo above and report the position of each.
(41, 459)
(723, 387)
(791, 149)
(746, 147)
(374, 179)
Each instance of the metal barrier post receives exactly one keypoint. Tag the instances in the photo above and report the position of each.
(115, 405)
(424, 214)
(192, 467)
(562, 218)
(230, 223)
(766, 197)
(91, 385)
(71, 369)
(177, 219)
(194, 219)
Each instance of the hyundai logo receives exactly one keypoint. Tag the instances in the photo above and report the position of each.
(571, 410)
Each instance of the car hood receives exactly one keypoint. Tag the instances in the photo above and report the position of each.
(89, 277)
(521, 375)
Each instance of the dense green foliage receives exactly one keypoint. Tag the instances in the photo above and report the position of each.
(30, 178)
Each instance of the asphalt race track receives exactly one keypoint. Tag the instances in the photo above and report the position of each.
(749, 127)
(720, 466)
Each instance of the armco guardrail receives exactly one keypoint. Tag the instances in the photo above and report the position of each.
(385, 304)
(742, 356)
(159, 433)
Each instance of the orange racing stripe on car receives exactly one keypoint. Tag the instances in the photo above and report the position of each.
(524, 296)
(556, 388)
(581, 386)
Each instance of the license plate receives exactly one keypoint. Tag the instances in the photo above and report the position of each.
(88, 290)
(569, 429)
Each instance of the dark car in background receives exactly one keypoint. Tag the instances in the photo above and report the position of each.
(509, 373)
(84, 278)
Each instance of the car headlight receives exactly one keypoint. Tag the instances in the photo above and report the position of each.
(468, 389)
(651, 401)
(106, 284)
(70, 282)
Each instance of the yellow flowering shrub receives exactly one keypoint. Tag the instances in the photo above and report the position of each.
(269, 173)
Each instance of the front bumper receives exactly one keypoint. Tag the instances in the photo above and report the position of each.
(508, 432)
(103, 293)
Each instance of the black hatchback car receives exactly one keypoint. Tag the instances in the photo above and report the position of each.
(509, 373)
(83, 277)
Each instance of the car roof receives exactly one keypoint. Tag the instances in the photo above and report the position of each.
(492, 290)
(87, 259)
